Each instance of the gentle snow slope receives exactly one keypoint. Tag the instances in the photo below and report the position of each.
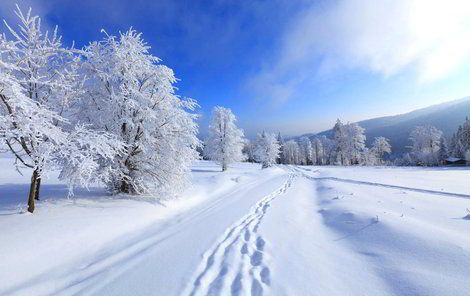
(280, 231)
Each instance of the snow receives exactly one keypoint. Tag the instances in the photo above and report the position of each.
(285, 230)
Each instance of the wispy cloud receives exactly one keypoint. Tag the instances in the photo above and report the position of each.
(386, 37)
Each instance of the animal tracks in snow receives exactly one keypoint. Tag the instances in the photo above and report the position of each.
(236, 264)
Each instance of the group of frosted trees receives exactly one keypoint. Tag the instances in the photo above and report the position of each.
(347, 147)
(226, 143)
(105, 113)
(430, 147)
(460, 142)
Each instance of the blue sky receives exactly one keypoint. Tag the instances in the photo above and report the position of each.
(290, 65)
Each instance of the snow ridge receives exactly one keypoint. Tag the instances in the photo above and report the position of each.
(237, 265)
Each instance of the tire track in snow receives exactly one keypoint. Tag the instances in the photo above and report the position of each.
(236, 264)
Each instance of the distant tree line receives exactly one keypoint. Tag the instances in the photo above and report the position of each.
(347, 147)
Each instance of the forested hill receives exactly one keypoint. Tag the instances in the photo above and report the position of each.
(446, 117)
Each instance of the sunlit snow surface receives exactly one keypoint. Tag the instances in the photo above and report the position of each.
(278, 231)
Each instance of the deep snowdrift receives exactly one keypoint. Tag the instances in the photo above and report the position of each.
(280, 231)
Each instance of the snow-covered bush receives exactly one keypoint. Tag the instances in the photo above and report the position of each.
(267, 149)
(132, 96)
(225, 142)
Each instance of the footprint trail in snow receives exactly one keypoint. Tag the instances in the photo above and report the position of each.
(237, 265)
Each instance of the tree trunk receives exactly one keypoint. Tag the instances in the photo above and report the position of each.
(38, 187)
(125, 188)
(32, 190)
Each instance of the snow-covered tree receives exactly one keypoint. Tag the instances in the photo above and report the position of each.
(39, 83)
(132, 96)
(426, 144)
(249, 151)
(443, 150)
(306, 151)
(225, 142)
(267, 149)
(329, 150)
(355, 142)
(341, 143)
(280, 140)
(318, 151)
(380, 147)
(370, 157)
(460, 143)
(291, 152)
(349, 142)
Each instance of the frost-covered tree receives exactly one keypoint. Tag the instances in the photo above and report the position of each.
(341, 143)
(132, 96)
(280, 140)
(349, 142)
(306, 151)
(380, 147)
(318, 151)
(39, 83)
(355, 143)
(267, 149)
(249, 151)
(329, 150)
(225, 142)
(370, 157)
(443, 150)
(426, 144)
(460, 143)
(291, 152)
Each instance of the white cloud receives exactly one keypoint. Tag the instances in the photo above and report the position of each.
(8, 8)
(386, 37)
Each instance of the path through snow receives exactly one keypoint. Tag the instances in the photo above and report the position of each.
(280, 231)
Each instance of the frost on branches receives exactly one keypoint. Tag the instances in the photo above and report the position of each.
(426, 144)
(306, 150)
(225, 142)
(380, 147)
(460, 143)
(132, 96)
(350, 143)
(267, 149)
(291, 152)
(38, 84)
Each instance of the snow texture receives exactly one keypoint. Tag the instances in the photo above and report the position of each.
(285, 230)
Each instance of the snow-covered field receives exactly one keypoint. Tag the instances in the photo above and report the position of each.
(280, 231)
